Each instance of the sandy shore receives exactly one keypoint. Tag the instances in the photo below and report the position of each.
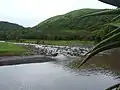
(14, 60)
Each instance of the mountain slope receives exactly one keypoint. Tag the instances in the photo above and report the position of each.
(10, 30)
(72, 26)
(70, 20)
(9, 26)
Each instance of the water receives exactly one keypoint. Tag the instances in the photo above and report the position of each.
(99, 73)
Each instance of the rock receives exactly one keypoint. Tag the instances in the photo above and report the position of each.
(54, 55)
(52, 50)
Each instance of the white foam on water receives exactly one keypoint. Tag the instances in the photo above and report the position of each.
(63, 51)
(60, 57)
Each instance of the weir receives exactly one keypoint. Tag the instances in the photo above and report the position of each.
(54, 50)
(44, 53)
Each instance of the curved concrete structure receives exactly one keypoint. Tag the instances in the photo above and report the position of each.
(112, 2)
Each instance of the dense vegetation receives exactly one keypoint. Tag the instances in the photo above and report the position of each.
(69, 26)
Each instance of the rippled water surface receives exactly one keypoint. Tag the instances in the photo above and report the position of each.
(99, 73)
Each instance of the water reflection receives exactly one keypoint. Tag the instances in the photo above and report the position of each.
(99, 73)
(108, 64)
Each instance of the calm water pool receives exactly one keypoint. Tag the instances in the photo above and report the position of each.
(102, 72)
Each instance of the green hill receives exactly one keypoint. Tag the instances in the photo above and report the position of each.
(72, 26)
(71, 20)
(9, 26)
(10, 30)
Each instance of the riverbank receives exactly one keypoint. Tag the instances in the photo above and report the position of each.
(10, 49)
(14, 60)
(54, 42)
(47, 50)
(23, 53)
(13, 54)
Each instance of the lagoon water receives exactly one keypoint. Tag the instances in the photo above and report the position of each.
(99, 73)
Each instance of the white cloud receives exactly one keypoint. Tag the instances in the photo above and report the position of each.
(31, 12)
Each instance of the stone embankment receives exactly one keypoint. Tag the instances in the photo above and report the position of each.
(43, 53)
(53, 50)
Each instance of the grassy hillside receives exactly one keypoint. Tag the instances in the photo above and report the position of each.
(72, 26)
(9, 26)
(11, 31)
(73, 21)
(69, 26)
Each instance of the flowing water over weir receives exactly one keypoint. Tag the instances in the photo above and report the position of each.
(44, 53)
(54, 50)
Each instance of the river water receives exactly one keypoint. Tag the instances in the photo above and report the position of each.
(99, 73)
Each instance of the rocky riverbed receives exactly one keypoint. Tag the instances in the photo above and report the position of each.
(54, 50)
(44, 53)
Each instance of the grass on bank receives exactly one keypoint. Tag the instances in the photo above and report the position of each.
(9, 49)
(62, 42)
(56, 42)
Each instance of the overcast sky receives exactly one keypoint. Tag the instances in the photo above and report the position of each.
(31, 12)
